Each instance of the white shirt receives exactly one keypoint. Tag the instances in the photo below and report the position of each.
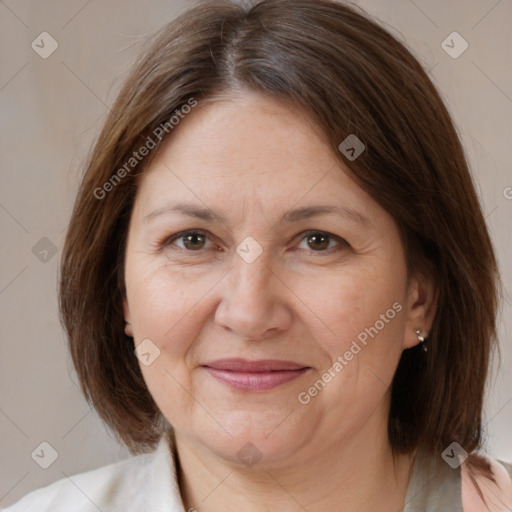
(148, 483)
(142, 483)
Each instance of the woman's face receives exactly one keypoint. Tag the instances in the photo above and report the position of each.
(288, 260)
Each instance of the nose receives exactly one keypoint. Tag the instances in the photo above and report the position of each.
(254, 301)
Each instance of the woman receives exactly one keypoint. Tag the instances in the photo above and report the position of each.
(277, 283)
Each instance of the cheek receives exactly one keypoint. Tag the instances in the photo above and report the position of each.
(162, 301)
(357, 303)
(362, 320)
(164, 307)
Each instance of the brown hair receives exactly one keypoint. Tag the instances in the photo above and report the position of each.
(350, 76)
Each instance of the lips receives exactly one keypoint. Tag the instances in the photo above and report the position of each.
(254, 376)
(262, 365)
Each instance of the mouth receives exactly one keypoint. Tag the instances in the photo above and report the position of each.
(254, 376)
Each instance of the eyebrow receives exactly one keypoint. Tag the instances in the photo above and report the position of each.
(294, 215)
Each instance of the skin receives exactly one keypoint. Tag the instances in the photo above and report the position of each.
(252, 159)
(497, 497)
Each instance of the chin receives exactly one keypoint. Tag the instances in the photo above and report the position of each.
(255, 443)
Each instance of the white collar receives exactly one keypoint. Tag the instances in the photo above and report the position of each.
(163, 493)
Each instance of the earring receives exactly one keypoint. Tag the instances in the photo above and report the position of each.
(421, 338)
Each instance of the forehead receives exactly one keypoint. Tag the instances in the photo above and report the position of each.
(253, 151)
(247, 131)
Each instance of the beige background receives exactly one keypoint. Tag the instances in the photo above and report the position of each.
(52, 108)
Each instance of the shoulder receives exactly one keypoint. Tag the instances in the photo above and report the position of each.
(112, 487)
(497, 496)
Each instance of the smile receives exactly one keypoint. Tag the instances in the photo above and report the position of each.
(254, 376)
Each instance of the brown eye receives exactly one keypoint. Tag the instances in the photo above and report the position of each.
(192, 241)
(318, 242)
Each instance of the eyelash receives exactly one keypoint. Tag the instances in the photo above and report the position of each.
(341, 242)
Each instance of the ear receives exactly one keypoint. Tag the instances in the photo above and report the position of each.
(421, 306)
(127, 318)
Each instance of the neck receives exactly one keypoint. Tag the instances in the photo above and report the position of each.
(350, 475)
